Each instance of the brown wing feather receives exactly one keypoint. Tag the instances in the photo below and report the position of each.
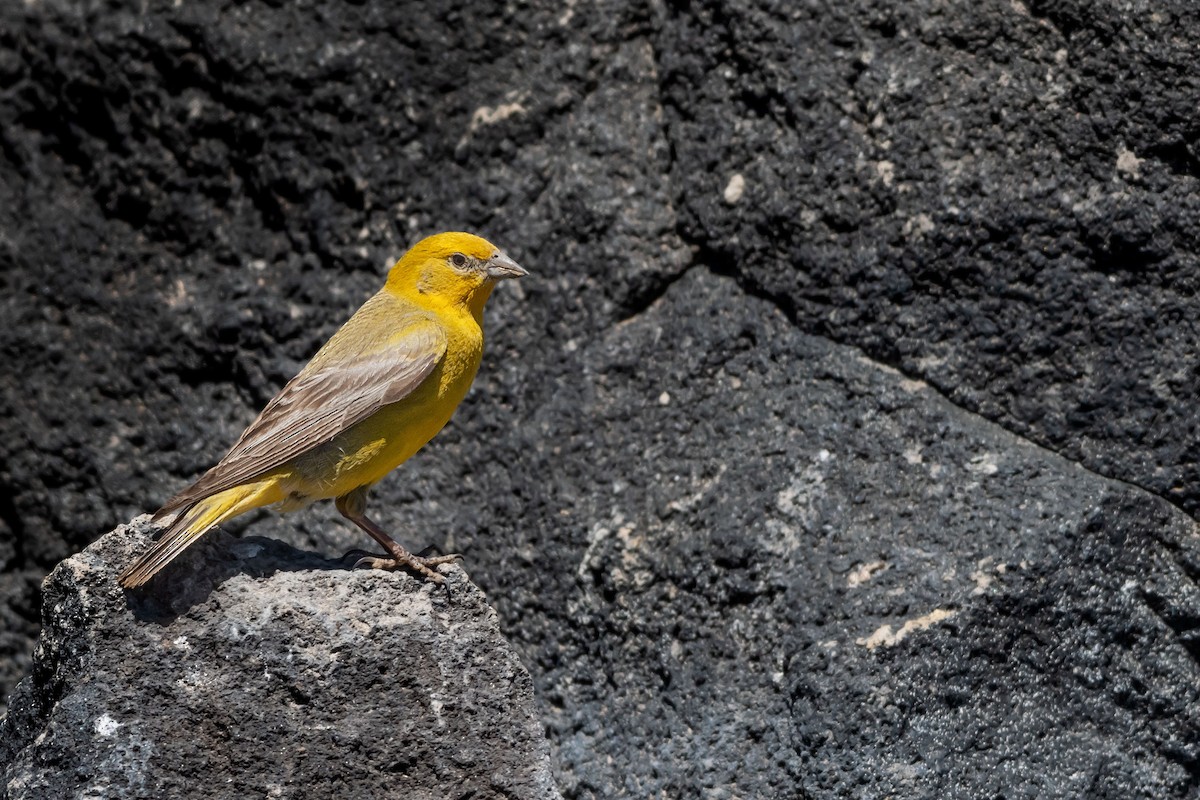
(326, 398)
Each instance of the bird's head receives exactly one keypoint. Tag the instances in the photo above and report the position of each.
(452, 269)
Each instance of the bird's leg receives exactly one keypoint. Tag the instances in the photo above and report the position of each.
(399, 556)
(352, 506)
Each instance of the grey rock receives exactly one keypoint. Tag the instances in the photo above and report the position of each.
(252, 669)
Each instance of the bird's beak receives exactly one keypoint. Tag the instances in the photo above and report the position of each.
(500, 266)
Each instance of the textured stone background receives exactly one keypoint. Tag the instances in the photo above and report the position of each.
(793, 260)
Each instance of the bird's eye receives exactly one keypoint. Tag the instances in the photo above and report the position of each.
(458, 260)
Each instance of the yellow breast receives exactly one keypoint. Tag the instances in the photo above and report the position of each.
(366, 452)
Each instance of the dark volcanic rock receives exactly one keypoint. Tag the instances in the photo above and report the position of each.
(687, 513)
(299, 679)
(1000, 198)
(794, 572)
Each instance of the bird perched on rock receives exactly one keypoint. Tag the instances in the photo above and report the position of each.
(370, 398)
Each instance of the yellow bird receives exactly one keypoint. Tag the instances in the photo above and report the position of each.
(378, 390)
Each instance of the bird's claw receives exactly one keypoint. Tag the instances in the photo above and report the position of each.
(420, 564)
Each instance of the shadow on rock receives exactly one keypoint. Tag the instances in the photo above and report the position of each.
(190, 579)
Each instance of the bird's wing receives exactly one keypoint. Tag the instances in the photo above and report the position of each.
(327, 397)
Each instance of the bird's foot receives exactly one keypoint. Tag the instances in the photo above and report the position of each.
(420, 564)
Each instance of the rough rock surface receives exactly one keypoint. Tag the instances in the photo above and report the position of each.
(256, 670)
(1000, 198)
(997, 200)
(803, 574)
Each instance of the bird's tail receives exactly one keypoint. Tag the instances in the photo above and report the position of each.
(191, 523)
